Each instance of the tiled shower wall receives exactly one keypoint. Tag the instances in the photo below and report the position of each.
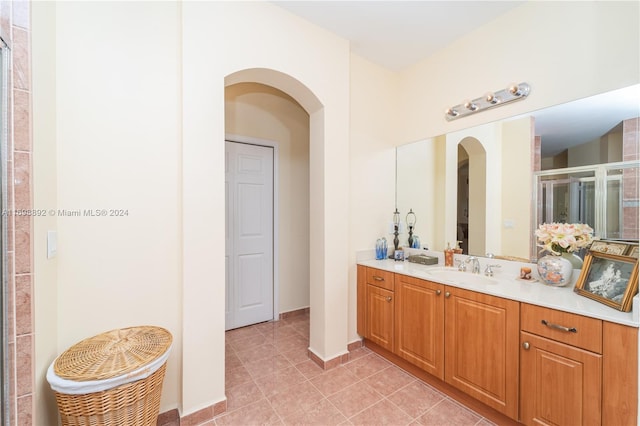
(15, 31)
(630, 179)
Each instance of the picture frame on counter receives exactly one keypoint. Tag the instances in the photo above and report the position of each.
(610, 279)
(633, 251)
(610, 247)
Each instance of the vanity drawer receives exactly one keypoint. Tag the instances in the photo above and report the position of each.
(572, 329)
(380, 278)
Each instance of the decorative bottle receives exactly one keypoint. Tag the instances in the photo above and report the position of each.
(448, 255)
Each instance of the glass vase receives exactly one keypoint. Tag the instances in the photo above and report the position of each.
(556, 270)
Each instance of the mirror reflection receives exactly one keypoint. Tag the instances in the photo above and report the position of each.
(488, 186)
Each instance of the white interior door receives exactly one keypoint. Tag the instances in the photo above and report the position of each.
(249, 234)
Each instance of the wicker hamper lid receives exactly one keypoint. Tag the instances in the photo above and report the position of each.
(112, 353)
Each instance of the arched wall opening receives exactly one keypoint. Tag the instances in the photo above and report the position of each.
(312, 105)
(263, 115)
(477, 194)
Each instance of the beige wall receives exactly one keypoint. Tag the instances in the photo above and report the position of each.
(45, 197)
(606, 149)
(207, 27)
(118, 147)
(416, 164)
(139, 102)
(262, 112)
(140, 127)
(373, 119)
(564, 50)
(517, 188)
(598, 51)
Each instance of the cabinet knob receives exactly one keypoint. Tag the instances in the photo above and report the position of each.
(438, 292)
(526, 346)
(447, 294)
(388, 298)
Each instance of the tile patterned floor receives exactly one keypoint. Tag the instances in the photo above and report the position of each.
(270, 380)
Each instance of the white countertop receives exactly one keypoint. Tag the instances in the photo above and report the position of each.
(506, 285)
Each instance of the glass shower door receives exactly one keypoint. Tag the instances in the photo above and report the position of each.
(5, 409)
(604, 196)
(567, 199)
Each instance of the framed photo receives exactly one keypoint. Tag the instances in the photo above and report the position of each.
(633, 251)
(610, 279)
(611, 247)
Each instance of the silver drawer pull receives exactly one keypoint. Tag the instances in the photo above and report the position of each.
(377, 278)
(560, 327)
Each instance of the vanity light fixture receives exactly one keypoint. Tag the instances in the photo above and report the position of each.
(490, 100)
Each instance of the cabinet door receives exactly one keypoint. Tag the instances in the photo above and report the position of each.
(619, 374)
(380, 316)
(559, 384)
(481, 348)
(419, 333)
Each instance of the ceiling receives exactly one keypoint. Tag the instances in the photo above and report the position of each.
(398, 34)
(584, 120)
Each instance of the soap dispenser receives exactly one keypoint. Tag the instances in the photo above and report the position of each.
(448, 255)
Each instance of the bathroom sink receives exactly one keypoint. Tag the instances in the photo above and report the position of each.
(455, 276)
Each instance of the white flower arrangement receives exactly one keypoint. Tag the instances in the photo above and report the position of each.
(558, 238)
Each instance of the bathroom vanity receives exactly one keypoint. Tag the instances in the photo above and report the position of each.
(533, 353)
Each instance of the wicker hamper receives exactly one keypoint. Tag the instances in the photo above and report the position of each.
(112, 379)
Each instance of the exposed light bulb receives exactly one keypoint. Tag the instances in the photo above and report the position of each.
(491, 98)
(470, 106)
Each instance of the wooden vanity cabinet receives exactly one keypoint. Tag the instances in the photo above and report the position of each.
(481, 348)
(419, 323)
(524, 361)
(467, 339)
(576, 370)
(379, 307)
(561, 368)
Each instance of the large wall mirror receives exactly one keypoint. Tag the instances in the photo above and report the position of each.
(488, 186)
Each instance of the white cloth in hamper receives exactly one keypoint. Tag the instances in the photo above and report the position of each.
(72, 387)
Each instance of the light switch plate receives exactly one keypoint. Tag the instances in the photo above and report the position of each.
(52, 244)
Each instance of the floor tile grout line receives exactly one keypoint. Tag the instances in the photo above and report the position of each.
(459, 404)
(413, 419)
(270, 336)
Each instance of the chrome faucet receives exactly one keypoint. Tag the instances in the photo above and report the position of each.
(488, 271)
(475, 268)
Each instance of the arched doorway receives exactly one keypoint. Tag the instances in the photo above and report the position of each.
(261, 115)
(326, 267)
(472, 195)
